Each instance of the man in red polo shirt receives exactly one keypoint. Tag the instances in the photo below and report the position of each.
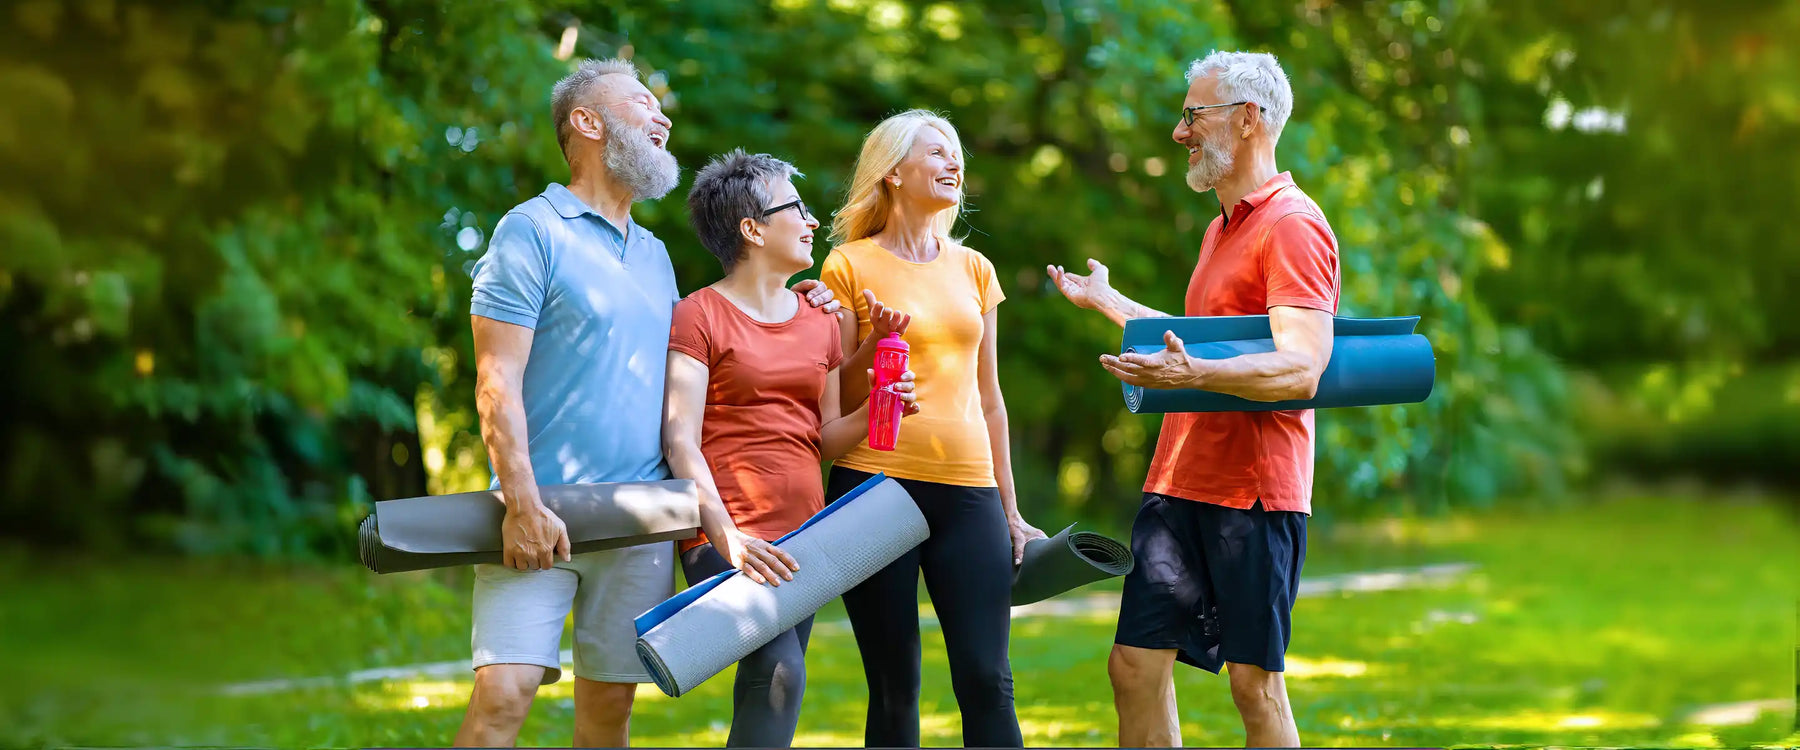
(1221, 536)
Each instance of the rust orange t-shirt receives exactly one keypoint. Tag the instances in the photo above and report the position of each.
(760, 429)
(1277, 250)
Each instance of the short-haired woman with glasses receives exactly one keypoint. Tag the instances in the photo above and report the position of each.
(751, 408)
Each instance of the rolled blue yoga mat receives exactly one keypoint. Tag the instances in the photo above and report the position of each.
(1374, 361)
(699, 632)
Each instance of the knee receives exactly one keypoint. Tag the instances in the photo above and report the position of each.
(1132, 670)
(893, 692)
(780, 673)
(987, 679)
(611, 703)
(503, 692)
(1255, 690)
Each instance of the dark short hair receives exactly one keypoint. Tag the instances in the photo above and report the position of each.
(731, 188)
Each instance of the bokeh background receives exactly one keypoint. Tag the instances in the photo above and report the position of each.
(235, 242)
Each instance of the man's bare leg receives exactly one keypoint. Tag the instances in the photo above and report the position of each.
(498, 705)
(1143, 682)
(603, 713)
(1262, 701)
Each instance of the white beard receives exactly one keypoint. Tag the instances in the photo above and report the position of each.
(1215, 162)
(631, 157)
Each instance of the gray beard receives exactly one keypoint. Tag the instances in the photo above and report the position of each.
(649, 172)
(1215, 162)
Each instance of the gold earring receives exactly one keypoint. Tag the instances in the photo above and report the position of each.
(896, 184)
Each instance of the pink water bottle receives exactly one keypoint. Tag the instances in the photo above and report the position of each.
(885, 406)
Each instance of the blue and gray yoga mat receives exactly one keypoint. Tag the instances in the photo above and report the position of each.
(709, 626)
(699, 632)
(1374, 361)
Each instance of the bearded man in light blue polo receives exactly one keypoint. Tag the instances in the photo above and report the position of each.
(571, 312)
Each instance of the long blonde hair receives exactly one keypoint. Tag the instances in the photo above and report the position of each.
(865, 209)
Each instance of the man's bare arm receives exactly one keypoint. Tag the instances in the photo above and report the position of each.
(1292, 371)
(1095, 292)
(533, 537)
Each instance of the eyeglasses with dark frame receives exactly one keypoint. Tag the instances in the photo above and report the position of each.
(1188, 116)
(796, 204)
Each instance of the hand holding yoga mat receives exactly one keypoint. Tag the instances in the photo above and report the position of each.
(699, 632)
(1374, 361)
(442, 531)
(1067, 561)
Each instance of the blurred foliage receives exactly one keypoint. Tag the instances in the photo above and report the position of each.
(1721, 425)
(238, 233)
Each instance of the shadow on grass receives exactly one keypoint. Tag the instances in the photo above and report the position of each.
(1602, 625)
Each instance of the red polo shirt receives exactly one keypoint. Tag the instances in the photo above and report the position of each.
(1275, 250)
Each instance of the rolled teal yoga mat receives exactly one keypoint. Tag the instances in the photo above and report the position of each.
(699, 632)
(1374, 361)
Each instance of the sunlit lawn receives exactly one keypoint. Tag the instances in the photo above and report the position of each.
(1601, 625)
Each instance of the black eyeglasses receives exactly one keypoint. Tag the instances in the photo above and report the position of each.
(795, 204)
(1188, 116)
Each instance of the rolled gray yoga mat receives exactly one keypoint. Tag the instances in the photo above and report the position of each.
(699, 632)
(442, 531)
(1067, 561)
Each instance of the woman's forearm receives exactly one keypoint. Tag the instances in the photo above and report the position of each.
(853, 377)
(687, 462)
(995, 415)
(840, 435)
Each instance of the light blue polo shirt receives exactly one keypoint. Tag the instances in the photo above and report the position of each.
(600, 302)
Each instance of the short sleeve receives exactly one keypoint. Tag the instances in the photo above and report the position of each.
(987, 287)
(1300, 263)
(511, 278)
(834, 344)
(688, 332)
(838, 276)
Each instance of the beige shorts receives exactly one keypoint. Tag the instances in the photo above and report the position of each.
(519, 615)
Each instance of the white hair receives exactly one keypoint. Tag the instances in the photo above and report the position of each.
(572, 91)
(1251, 77)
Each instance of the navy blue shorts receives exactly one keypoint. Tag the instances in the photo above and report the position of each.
(1216, 583)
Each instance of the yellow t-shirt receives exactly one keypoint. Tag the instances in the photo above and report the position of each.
(947, 442)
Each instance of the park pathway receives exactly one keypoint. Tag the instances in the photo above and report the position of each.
(1067, 606)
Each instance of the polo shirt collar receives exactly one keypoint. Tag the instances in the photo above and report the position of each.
(1261, 195)
(569, 206)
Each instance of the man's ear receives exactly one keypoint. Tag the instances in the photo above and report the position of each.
(587, 123)
(1252, 118)
(751, 230)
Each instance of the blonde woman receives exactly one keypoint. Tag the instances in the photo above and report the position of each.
(893, 248)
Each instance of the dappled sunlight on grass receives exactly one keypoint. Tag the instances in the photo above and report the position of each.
(1426, 532)
(1088, 725)
(1532, 721)
(1560, 636)
(805, 738)
(1302, 668)
(1636, 642)
(403, 696)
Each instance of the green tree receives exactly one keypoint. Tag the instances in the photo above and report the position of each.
(238, 235)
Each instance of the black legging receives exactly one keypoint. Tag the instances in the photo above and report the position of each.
(765, 703)
(967, 563)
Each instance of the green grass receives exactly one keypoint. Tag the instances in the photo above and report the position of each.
(1597, 625)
